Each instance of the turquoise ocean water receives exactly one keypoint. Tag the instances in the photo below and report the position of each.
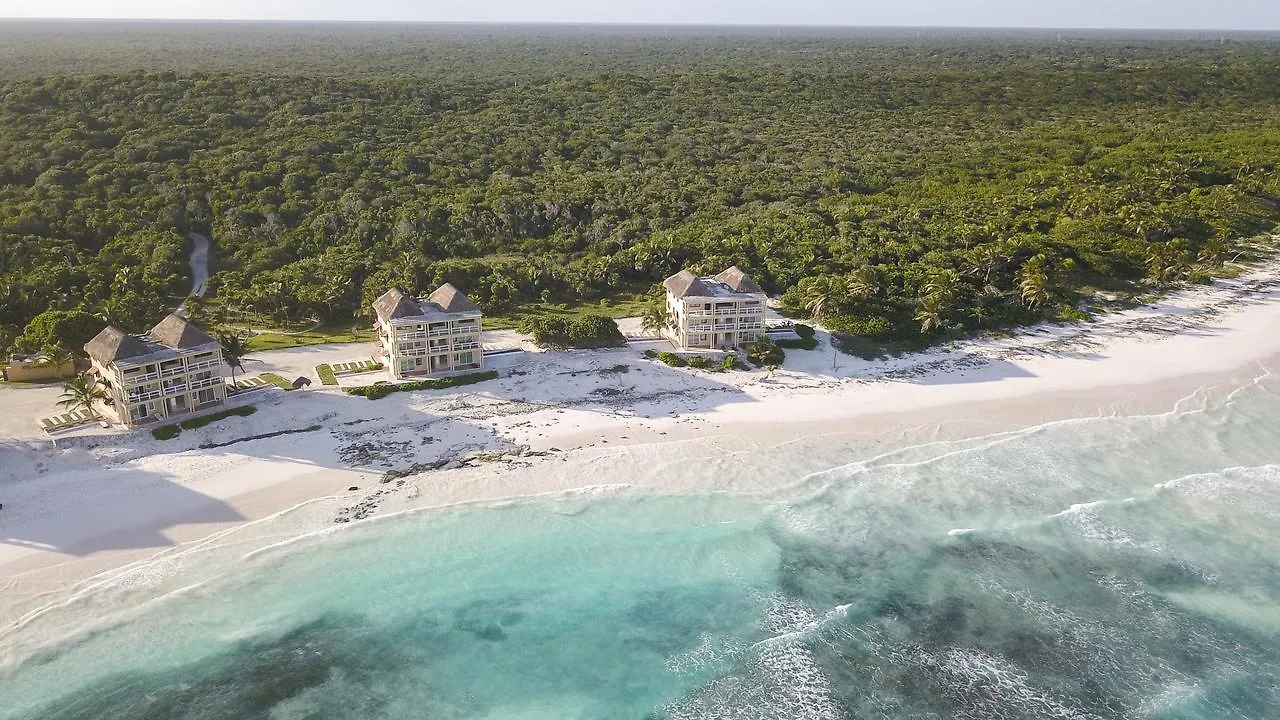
(1121, 567)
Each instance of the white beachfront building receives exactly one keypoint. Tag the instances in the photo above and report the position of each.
(174, 369)
(435, 336)
(724, 311)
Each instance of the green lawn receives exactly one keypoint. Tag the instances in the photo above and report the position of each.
(340, 332)
(276, 380)
(624, 306)
(337, 332)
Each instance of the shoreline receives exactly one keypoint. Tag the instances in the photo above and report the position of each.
(91, 513)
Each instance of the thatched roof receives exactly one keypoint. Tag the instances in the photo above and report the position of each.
(394, 304)
(175, 332)
(738, 281)
(115, 344)
(685, 283)
(451, 300)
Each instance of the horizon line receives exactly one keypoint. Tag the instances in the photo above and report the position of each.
(644, 23)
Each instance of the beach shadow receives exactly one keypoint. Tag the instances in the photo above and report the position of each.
(75, 501)
(96, 512)
(962, 371)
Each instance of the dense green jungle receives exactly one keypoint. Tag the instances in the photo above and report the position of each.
(899, 186)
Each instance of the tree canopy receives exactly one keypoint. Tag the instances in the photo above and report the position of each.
(887, 187)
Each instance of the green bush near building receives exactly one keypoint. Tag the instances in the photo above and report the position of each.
(377, 391)
(764, 352)
(169, 432)
(588, 331)
(672, 359)
(166, 432)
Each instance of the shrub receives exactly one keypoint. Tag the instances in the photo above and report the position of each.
(803, 343)
(166, 432)
(804, 331)
(588, 331)
(703, 363)
(672, 359)
(325, 373)
(764, 352)
(731, 362)
(651, 353)
(379, 390)
(201, 421)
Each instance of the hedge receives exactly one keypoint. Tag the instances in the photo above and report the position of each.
(202, 420)
(168, 432)
(380, 390)
(590, 331)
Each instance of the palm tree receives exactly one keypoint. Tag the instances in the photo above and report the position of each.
(930, 313)
(820, 294)
(58, 356)
(81, 391)
(235, 346)
(865, 282)
(654, 318)
(1034, 287)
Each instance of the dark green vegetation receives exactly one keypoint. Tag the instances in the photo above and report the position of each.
(698, 362)
(168, 432)
(765, 353)
(807, 341)
(894, 188)
(589, 331)
(380, 390)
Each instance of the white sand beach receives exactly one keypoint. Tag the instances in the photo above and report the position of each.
(102, 507)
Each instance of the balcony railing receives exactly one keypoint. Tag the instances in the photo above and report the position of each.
(205, 382)
(142, 378)
(137, 397)
(750, 326)
(203, 365)
(171, 371)
(466, 345)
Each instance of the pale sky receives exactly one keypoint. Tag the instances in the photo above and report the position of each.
(1190, 14)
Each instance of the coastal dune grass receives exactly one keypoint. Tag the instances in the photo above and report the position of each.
(383, 389)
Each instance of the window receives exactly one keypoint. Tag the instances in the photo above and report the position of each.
(205, 396)
(465, 358)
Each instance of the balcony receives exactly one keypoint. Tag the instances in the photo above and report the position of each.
(751, 326)
(172, 371)
(466, 345)
(205, 382)
(133, 380)
(204, 365)
(698, 329)
(137, 397)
